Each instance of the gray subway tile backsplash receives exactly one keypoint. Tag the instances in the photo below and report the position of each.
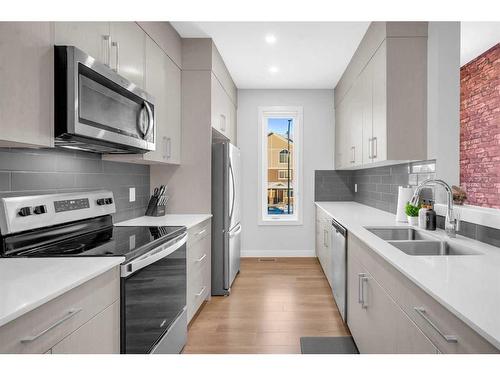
(378, 187)
(48, 171)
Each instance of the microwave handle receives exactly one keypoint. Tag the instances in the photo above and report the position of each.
(151, 123)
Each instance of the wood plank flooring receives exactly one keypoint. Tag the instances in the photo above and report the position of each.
(272, 304)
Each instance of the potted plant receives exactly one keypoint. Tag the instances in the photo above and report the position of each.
(412, 213)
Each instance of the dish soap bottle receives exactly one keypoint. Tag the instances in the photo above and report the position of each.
(422, 215)
(430, 218)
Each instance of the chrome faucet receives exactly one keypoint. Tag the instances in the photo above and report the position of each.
(450, 225)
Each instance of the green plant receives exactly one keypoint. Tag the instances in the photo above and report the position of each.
(412, 210)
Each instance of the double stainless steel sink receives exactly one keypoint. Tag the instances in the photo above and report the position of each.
(416, 242)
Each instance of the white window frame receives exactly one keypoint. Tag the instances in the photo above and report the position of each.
(264, 113)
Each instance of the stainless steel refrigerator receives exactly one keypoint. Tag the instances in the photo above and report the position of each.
(226, 226)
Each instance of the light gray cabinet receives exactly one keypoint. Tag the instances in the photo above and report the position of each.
(386, 312)
(91, 37)
(85, 319)
(376, 322)
(323, 242)
(380, 101)
(26, 84)
(198, 267)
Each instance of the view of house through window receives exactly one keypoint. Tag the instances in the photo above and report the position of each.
(280, 166)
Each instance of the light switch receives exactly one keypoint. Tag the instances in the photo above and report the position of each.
(131, 194)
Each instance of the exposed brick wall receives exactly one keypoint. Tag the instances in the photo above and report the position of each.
(480, 128)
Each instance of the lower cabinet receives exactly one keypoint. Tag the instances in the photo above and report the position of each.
(198, 267)
(388, 313)
(85, 319)
(377, 324)
(105, 326)
(323, 240)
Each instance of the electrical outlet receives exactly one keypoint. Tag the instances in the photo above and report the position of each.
(131, 194)
(355, 188)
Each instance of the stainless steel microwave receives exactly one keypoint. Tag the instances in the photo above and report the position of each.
(98, 110)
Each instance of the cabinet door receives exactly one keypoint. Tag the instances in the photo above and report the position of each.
(220, 116)
(366, 78)
(100, 335)
(91, 37)
(156, 85)
(371, 313)
(26, 84)
(128, 50)
(173, 115)
(356, 124)
(379, 69)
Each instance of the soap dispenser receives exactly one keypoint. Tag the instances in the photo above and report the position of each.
(422, 221)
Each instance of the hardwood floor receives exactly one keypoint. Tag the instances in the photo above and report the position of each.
(272, 304)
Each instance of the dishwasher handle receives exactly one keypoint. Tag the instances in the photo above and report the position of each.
(339, 228)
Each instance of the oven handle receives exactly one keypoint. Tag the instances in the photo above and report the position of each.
(145, 260)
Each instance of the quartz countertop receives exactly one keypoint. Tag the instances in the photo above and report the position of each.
(185, 220)
(468, 286)
(27, 283)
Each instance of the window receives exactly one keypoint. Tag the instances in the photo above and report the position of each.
(279, 165)
(283, 156)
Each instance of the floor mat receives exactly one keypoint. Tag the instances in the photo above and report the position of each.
(328, 345)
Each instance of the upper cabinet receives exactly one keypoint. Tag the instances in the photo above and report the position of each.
(26, 84)
(200, 54)
(380, 101)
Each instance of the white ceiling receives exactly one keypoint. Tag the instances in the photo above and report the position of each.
(476, 38)
(306, 54)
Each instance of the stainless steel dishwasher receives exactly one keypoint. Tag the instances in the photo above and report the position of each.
(339, 266)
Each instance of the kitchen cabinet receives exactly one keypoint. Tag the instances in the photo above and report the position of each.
(127, 58)
(85, 319)
(381, 99)
(105, 325)
(323, 242)
(223, 111)
(91, 37)
(198, 267)
(27, 84)
(377, 324)
(163, 82)
(388, 313)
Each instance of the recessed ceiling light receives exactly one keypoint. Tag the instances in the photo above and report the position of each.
(270, 39)
(273, 69)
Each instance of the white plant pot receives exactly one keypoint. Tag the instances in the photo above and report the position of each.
(413, 220)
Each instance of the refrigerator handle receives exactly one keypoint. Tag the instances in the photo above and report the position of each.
(233, 190)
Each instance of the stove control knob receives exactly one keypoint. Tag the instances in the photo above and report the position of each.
(38, 210)
(109, 200)
(101, 202)
(25, 211)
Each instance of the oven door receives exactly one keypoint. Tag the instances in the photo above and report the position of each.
(99, 104)
(153, 297)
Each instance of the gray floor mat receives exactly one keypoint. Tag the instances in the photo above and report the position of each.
(328, 345)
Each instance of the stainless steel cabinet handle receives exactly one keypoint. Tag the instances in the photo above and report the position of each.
(71, 313)
(370, 148)
(201, 259)
(421, 311)
(375, 147)
(223, 122)
(107, 49)
(362, 278)
(164, 156)
(353, 154)
(201, 291)
(117, 55)
(325, 238)
(169, 147)
(201, 232)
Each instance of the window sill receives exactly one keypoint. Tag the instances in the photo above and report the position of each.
(489, 217)
(280, 221)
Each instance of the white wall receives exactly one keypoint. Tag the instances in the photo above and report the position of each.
(443, 99)
(317, 146)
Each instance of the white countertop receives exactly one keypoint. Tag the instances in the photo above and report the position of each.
(27, 283)
(468, 286)
(186, 220)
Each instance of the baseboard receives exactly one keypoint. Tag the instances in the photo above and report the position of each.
(277, 253)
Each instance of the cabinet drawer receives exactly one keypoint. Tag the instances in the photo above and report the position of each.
(198, 289)
(410, 297)
(198, 232)
(39, 330)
